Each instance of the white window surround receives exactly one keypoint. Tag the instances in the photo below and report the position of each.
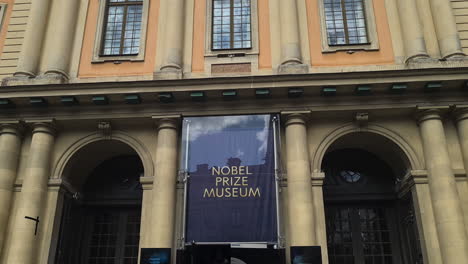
(250, 55)
(97, 58)
(371, 31)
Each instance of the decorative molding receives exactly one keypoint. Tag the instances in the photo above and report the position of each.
(460, 112)
(361, 119)
(424, 113)
(167, 121)
(12, 127)
(139, 147)
(318, 178)
(407, 149)
(147, 182)
(105, 128)
(295, 117)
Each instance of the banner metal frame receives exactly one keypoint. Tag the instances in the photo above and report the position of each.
(275, 118)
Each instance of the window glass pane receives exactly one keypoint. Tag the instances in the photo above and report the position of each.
(122, 30)
(345, 22)
(234, 18)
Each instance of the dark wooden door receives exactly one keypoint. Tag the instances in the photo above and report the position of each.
(113, 236)
(100, 235)
(358, 234)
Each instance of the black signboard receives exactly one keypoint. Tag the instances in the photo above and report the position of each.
(155, 256)
(306, 255)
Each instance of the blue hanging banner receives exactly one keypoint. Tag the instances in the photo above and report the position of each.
(231, 195)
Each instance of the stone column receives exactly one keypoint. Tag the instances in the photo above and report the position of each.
(300, 204)
(164, 185)
(446, 28)
(10, 148)
(289, 28)
(444, 195)
(174, 37)
(33, 38)
(25, 241)
(63, 30)
(413, 35)
(461, 120)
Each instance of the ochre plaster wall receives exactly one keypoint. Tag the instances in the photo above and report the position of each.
(198, 46)
(264, 57)
(6, 21)
(9, 59)
(383, 56)
(89, 69)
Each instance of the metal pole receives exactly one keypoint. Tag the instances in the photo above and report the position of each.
(186, 177)
(277, 180)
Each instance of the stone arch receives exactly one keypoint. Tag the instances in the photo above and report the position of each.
(60, 170)
(409, 154)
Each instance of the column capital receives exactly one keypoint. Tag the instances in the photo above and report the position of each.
(147, 182)
(460, 112)
(43, 126)
(430, 113)
(12, 127)
(167, 122)
(318, 178)
(295, 117)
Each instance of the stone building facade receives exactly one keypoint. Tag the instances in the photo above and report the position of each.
(89, 86)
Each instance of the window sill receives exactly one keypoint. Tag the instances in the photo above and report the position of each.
(350, 48)
(117, 59)
(227, 53)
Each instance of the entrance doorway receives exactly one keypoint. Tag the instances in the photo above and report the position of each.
(101, 224)
(366, 220)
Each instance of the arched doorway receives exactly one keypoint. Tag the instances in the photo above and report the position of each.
(368, 219)
(101, 219)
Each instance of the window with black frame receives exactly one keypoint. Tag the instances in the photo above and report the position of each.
(122, 28)
(231, 25)
(346, 22)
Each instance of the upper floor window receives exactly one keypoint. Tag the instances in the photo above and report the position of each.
(348, 25)
(122, 28)
(231, 25)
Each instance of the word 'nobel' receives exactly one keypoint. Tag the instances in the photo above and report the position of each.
(231, 186)
(231, 170)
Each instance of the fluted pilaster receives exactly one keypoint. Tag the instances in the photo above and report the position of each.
(413, 34)
(33, 38)
(446, 28)
(58, 58)
(174, 36)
